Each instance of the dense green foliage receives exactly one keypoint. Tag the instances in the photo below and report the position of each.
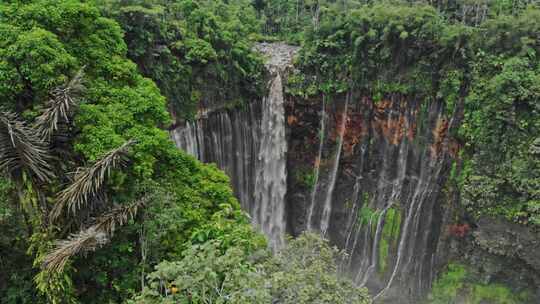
(291, 19)
(43, 44)
(502, 122)
(197, 52)
(304, 272)
(491, 72)
(453, 51)
(384, 49)
(205, 275)
(457, 284)
(84, 148)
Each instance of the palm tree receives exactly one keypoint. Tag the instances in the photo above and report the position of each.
(93, 237)
(27, 157)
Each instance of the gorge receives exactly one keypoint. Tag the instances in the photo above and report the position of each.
(269, 151)
(367, 175)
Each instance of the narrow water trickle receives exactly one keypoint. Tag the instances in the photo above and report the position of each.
(317, 167)
(325, 221)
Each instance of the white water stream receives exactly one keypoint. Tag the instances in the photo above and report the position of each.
(271, 178)
(251, 146)
(327, 211)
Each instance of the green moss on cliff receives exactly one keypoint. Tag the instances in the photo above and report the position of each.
(458, 285)
(367, 215)
(389, 237)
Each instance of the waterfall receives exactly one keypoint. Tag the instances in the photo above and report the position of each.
(317, 165)
(250, 145)
(365, 174)
(422, 190)
(325, 222)
(413, 239)
(187, 139)
(271, 179)
(319, 213)
(366, 261)
(376, 187)
(373, 261)
(351, 222)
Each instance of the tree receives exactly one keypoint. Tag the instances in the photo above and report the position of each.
(195, 51)
(304, 272)
(502, 172)
(27, 159)
(83, 155)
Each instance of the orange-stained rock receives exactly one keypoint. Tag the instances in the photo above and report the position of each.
(392, 125)
(291, 120)
(439, 135)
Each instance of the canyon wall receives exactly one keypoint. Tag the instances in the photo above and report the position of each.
(369, 175)
(250, 145)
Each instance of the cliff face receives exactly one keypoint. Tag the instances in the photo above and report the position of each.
(370, 175)
(366, 174)
(503, 252)
(249, 144)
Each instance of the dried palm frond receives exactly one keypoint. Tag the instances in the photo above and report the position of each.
(93, 237)
(119, 215)
(21, 150)
(87, 240)
(60, 106)
(87, 181)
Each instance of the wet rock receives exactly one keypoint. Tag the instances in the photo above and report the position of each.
(500, 252)
(279, 56)
(249, 144)
(501, 237)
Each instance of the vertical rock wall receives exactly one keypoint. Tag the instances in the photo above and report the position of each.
(250, 145)
(368, 175)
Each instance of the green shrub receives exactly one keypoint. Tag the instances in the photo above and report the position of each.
(304, 272)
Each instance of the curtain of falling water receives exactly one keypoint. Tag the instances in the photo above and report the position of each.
(401, 175)
(250, 145)
(271, 180)
(251, 148)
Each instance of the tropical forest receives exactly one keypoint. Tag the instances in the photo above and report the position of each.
(270, 151)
